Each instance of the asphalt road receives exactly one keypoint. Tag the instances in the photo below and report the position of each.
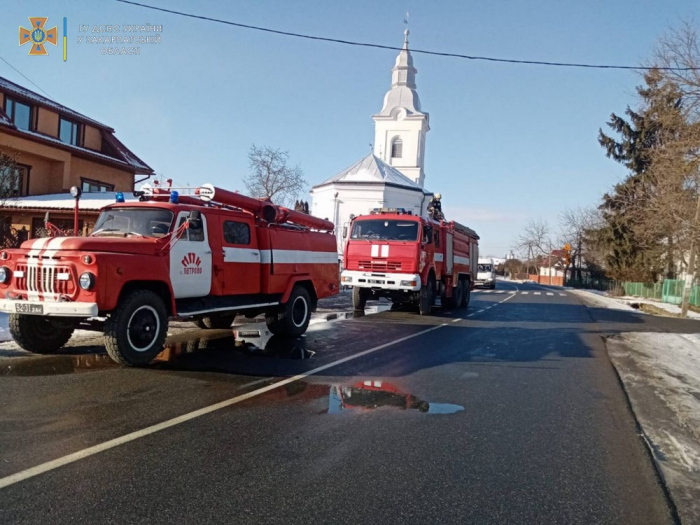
(506, 412)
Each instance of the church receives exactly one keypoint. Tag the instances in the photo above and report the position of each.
(392, 175)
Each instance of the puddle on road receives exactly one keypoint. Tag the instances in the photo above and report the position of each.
(370, 395)
(252, 339)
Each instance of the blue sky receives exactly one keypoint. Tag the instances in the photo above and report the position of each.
(507, 142)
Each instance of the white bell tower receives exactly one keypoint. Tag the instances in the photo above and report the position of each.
(400, 127)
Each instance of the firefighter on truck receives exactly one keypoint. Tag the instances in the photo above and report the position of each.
(410, 260)
(206, 258)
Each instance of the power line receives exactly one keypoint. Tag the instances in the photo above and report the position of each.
(422, 51)
(26, 77)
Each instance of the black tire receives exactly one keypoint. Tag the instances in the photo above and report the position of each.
(39, 334)
(359, 298)
(427, 297)
(458, 295)
(467, 292)
(294, 318)
(216, 321)
(135, 331)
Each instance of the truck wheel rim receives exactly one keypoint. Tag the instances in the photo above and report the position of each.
(299, 311)
(143, 328)
(44, 327)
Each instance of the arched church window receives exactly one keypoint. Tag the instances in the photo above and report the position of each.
(397, 148)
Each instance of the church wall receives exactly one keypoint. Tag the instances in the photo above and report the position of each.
(411, 133)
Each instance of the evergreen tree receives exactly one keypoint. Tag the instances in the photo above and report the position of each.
(638, 247)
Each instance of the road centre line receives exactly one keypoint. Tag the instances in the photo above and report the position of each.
(132, 436)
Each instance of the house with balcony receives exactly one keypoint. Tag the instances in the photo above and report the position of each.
(55, 148)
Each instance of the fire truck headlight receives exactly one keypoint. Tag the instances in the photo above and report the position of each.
(4, 274)
(87, 281)
(408, 283)
(346, 279)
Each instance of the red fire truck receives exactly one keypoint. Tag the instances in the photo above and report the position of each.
(410, 260)
(205, 257)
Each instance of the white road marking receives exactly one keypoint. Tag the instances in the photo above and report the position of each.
(550, 293)
(96, 449)
(536, 293)
(488, 291)
(513, 291)
(524, 293)
(501, 291)
(479, 311)
(562, 295)
(456, 320)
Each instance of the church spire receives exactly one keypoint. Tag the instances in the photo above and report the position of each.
(400, 127)
(403, 73)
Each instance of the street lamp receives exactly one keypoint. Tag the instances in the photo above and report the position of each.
(75, 192)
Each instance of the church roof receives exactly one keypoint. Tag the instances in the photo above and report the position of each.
(373, 170)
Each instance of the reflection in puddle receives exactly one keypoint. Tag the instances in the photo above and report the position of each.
(370, 395)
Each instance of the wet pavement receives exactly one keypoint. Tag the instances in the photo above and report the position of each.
(506, 412)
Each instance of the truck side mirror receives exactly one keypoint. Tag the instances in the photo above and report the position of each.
(345, 232)
(195, 219)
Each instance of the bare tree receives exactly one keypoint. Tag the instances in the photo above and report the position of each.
(578, 230)
(535, 242)
(271, 177)
(679, 48)
(10, 181)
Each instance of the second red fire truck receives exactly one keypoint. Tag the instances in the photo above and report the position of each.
(207, 257)
(410, 260)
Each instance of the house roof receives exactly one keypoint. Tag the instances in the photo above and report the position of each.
(373, 170)
(40, 100)
(122, 155)
(63, 201)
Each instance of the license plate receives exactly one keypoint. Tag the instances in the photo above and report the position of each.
(25, 308)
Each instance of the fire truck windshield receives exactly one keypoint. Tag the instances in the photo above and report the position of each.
(385, 230)
(147, 222)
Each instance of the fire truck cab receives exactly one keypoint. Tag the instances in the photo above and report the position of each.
(206, 258)
(409, 259)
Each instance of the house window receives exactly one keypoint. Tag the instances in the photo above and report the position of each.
(397, 148)
(68, 131)
(95, 186)
(12, 181)
(19, 113)
(236, 232)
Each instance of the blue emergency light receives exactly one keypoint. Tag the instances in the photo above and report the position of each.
(174, 197)
(119, 196)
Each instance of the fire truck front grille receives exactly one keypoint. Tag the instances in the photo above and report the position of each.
(380, 266)
(44, 279)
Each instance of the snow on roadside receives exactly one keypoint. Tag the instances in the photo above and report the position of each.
(603, 301)
(623, 303)
(661, 374)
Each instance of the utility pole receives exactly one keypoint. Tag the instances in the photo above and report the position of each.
(550, 264)
(690, 273)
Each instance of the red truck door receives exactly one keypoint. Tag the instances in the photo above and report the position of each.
(190, 261)
(242, 257)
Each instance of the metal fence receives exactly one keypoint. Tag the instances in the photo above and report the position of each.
(669, 291)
